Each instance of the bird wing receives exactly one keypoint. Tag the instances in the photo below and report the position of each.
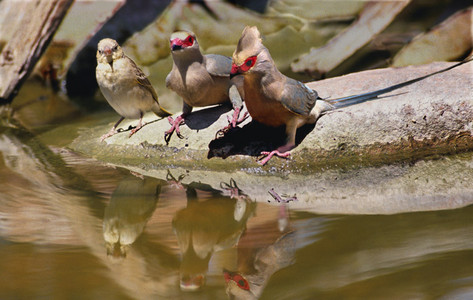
(218, 65)
(143, 80)
(297, 97)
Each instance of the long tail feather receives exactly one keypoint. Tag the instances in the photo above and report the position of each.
(357, 99)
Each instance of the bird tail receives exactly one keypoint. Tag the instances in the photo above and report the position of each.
(160, 111)
(357, 99)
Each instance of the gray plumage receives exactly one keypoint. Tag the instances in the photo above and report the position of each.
(200, 80)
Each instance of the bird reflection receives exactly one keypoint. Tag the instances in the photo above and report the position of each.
(131, 205)
(262, 251)
(210, 222)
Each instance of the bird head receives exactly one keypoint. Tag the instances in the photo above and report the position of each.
(248, 52)
(182, 41)
(108, 50)
(237, 286)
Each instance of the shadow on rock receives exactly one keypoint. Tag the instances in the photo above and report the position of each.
(205, 117)
(253, 138)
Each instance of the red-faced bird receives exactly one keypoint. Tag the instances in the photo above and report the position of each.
(201, 80)
(276, 100)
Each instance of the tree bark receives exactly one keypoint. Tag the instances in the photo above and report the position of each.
(27, 30)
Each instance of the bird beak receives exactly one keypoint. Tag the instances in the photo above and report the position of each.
(176, 44)
(227, 275)
(107, 51)
(234, 72)
(192, 282)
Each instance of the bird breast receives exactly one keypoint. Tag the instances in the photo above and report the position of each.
(121, 90)
(264, 107)
(197, 87)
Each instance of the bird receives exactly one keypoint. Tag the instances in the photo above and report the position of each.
(275, 100)
(131, 205)
(201, 80)
(124, 85)
(263, 250)
(211, 222)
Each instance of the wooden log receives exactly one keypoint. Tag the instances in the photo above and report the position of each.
(25, 33)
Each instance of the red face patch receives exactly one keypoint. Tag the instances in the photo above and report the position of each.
(187, 42)
(238, 279)
(244, 67)
(248, 64)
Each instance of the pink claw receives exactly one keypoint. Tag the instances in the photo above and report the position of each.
(175, 127)
(109, 134)
(271, 154)
(233, 122)
(133, 131)
(280, 199)
(138, 127)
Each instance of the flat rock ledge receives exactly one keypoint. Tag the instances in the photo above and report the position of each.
(409, 151)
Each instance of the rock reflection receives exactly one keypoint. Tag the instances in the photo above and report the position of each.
(401, 256)
(131, 205)
(207, 225)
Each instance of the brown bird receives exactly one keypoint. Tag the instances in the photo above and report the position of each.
(206, 226)
(276, 100)
(201, 80)
(125, 86)
(263, 250)
(131, 206)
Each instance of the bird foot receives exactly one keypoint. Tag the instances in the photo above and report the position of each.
(175, 127)
(135, 130)
(232, 122)
(173, 182)
(113, 131)
(280, 199)
(235, 120)
(232, 189)
(268, 155)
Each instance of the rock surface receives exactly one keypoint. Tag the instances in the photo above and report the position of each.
(362, 159)
(433, 116)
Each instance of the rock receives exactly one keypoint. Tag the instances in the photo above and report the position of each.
(433, 116)
(445, 41)
(370, 158)
(373, 19)
(421, 186)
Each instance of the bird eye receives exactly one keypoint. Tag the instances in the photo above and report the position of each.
(115, 47)
(100, 51)
(241, 282)
(248, 64)
(190, 39)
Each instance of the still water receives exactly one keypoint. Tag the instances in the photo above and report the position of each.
(74, 228)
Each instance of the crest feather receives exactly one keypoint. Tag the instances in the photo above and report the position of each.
(248, 45)
(249, 37)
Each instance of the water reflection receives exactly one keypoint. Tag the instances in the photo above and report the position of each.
(407, 256)
(130, 207)
(136, 237)
(264, 250)
(51, 216)
(207, 224)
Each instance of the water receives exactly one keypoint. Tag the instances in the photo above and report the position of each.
(74, 228)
